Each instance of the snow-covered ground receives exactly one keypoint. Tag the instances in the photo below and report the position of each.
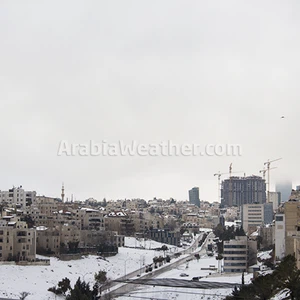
(193, 269)
(37, 279)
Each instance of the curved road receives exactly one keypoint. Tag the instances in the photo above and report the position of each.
(192, 250)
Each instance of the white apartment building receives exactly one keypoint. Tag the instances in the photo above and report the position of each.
(279, 236)
(17, 196)
(239, 254)
(252, 216)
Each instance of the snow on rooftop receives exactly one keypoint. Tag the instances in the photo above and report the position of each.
(41, 228)
(264, 255)
(255, 233)
(89, 209)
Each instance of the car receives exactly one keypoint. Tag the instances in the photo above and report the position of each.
(183, 275)
(196, 278)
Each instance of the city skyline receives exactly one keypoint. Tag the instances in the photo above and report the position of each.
(198, 73)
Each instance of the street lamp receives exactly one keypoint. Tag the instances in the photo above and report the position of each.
(142, 257)
(125, 266)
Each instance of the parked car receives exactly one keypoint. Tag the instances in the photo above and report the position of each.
(183, 275)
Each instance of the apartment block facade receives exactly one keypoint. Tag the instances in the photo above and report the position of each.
(18, 197)
(237, 191)
(17, 241)
(239, 254)
(254, 215)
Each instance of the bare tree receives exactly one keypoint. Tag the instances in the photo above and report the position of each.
(23, 295)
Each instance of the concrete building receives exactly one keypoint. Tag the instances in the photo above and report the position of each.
(268, 213)
(91, 219)
(47, 240)
(194, 196)
(267, 233)
(17, 241)
(237, 191)
(285, 189)
(254, 215)
(165, 236)
(120, 222)
(17, 196)
(279, 236)
(292, 224)
(275, 199)
(239, 254)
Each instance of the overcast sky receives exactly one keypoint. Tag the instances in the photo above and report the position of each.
(151, 71)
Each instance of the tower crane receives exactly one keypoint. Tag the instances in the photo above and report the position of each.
(264, 171)
(268, 163)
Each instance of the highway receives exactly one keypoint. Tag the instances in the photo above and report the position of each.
(127, 287)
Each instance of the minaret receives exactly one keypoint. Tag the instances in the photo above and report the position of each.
(62, 193)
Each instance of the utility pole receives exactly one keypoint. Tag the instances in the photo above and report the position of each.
(268, 163)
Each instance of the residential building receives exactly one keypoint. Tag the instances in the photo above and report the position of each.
(285, 188)
(17, 241)
(47, 240)
(194, 196)
(254, 215)
(18, 197)
(267, 234)
(237, 191)
(268, 213)
(165, 236)
(239, 254)
(292, 224)
(120, 222)
(279, 236)
(275, 198)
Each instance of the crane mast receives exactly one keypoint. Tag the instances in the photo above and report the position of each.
(268, 163)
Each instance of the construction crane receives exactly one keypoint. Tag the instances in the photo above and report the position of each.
(268, 163)
(264, 171)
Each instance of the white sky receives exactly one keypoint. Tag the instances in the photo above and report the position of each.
(187, 71)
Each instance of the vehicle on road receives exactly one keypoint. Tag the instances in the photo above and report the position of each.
(183, 275)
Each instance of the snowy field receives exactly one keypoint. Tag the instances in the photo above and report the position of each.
(193, 269)
(37, 279)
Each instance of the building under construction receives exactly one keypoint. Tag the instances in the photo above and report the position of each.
(237, 191)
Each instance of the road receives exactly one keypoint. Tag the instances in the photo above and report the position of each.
(191, 251)
(173, 282)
